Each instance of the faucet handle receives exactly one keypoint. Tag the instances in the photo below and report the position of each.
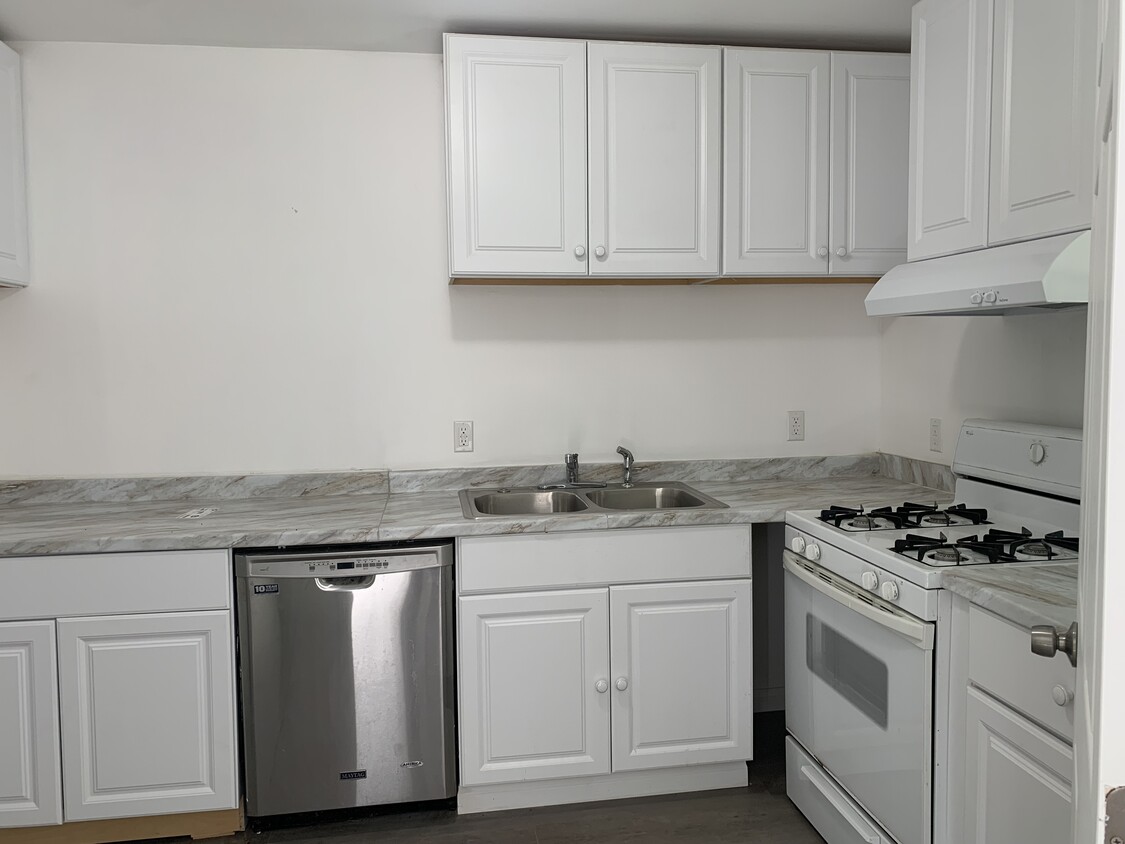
(571, 459)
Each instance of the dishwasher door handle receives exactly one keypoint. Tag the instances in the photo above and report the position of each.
(351, 583)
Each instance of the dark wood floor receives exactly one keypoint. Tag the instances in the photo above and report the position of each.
(759, 814)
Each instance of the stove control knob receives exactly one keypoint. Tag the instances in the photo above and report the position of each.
(990, 297)
(889, 590)
(976, 299)
(1038, 453)
(812, 552)
(870, 581)
(1062, 695)
(798, 544)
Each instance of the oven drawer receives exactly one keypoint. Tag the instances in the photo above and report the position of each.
(1001, 663)
(837, 817)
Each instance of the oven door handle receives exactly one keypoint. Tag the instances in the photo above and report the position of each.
(838, 803)
(917, 632)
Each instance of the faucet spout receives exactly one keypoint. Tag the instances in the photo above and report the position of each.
(628, 467)
(571, 461)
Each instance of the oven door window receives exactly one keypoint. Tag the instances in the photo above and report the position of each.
(857, 675)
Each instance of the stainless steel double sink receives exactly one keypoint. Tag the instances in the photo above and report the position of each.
(532, 501)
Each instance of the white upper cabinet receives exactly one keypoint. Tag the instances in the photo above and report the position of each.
(1043, 89)
(949, 117)
(815, 162)
(14, 261)
(654, 152)
(516, 118)
(30, 785)
(870, 148)
(776, 162)
(682, 674)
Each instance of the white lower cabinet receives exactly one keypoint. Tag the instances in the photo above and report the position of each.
(149, 729)
(1017, 778)
(29, 725)
(682, 690)
(584, 682)
(534, 686)
(107, 712)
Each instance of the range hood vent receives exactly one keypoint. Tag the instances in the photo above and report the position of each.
(1052, 272)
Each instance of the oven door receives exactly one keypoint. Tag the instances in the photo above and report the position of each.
(859, 695)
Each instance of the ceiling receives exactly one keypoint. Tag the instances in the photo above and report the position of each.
(415, 26)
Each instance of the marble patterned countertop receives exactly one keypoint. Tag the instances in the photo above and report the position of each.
(1025, 595)
(254, 518)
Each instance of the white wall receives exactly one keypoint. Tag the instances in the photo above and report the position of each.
(1017, 368)
(239, 265)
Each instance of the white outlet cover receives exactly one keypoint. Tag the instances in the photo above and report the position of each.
(462, 436)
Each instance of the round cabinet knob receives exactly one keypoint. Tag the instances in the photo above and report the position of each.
(622, 684)
(599, 251)
(1062, 695)
(798, 544)
(889, 590)
(976, 299)
(822, 252)
(841, 252)
(990, 297)
(1037, 453)
(869, 580)
(580, 251)
(812, 551)
(602, 687)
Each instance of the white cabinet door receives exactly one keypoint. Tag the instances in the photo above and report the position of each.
(1017, 778)
(534, 674)
(870, 143)
(681, 674)
(14, 260)
(30, 792)
(1044, 55)
(516, 118)
(776, 131)
(148, 719)
(949, 115)
(655, 118)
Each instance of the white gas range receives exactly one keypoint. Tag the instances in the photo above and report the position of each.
(867, 642)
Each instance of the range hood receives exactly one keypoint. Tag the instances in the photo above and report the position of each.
(1052, 272)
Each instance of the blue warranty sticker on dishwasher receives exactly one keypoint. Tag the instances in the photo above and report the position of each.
(265, 589)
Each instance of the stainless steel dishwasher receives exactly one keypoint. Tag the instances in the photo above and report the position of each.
(346, 672)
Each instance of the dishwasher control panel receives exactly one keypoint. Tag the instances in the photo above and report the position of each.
(341, 564)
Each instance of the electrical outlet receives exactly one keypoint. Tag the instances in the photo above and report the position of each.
(462, 436)
(796, 425)
(935, 435)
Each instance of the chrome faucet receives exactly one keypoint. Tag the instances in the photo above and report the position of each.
(628, 455)
(571, 461)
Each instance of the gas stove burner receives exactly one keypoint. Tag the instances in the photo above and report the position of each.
(855, 519)
(1024, 546)
(1036, 549)
(946, 555)
(930, 515)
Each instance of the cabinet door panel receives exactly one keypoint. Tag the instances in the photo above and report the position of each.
(655, 117)
(1017, 778)
(870, 143)
(14, 262)
(148, 728)
(30, 793)
(684, 654)
(949, 115)
(528, 668)
(516, 112)
(776, 162)
(1043, 87)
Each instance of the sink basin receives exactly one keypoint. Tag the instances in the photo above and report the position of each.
(645, 498)
(527, 501)
(521, 503)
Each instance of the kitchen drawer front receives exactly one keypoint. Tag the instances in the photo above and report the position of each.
(1001, 663)
(601, 558)
(113, 584)
(824, 804)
